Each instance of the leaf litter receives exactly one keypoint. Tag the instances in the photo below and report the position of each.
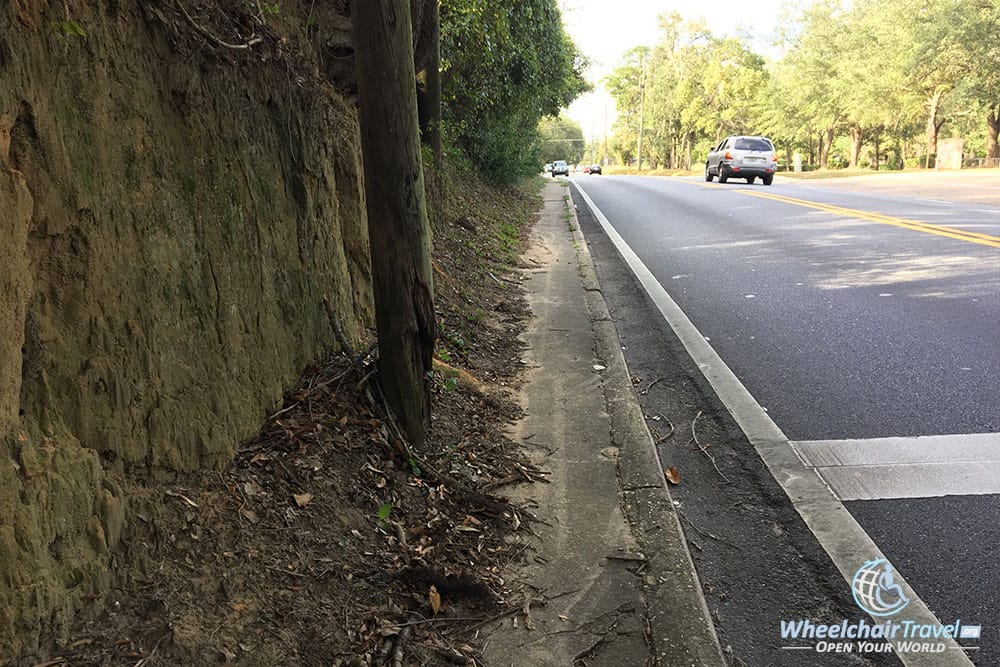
(321, 544)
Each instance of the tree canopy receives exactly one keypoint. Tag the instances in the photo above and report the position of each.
(505, 66)
(560, 139)
(889, 75)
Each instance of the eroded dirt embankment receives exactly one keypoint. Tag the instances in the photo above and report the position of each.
(172, 214)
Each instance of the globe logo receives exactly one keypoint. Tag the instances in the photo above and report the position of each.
(875, 588)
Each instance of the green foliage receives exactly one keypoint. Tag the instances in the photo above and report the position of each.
(560, 138)
(698, 88)
(885, 73)
(68, 29)
(505, 65)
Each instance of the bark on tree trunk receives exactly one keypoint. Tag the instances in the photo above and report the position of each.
(825, 160)
(429, 99)
(993, 123)
(876, 163)
(855, 145)
(932, 125)
(397, 217)
(434, 85)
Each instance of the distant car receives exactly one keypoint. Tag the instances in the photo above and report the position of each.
(560, 168)
(595, 169)
(586, 168)
(742, 157)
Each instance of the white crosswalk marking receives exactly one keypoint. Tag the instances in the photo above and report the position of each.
(920, 467)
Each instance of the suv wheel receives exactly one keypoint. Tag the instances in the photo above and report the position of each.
(708, 174)
(723, 176)
(767, 178)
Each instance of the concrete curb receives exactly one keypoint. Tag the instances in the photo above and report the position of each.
(680, 624)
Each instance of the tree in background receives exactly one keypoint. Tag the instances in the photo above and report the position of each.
(875, 80)
(699, 88)
(623, 85)
(504, 66)
(560, 139)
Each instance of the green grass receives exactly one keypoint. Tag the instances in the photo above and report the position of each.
(841, 173)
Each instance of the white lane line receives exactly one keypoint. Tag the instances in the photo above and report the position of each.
(921, 467)
(843, 539)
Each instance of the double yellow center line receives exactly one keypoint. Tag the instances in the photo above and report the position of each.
(915, 225)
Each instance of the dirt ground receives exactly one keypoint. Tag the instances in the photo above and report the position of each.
(325, 542)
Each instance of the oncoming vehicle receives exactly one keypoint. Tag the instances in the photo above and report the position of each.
(742, 157)
(560, 168)
(595, 169)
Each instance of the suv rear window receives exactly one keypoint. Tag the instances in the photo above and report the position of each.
(752, 144)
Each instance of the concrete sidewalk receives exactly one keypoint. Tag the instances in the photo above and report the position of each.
(612, 579)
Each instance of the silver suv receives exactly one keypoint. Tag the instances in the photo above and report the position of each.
(742, 157)
(560, 168)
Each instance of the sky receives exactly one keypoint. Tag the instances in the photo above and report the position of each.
(605, 29)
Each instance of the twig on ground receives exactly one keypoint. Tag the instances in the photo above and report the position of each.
(256, 39)
(703, 448)
(663, 438)
(450, 655)
(399, 644)
(707, 534)
(629, 559)
(439, 619)
(650, 386)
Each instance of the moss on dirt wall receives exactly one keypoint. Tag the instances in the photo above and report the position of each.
(172, 214)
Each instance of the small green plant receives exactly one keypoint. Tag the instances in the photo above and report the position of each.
(68, 29)
(477, 316)
(444, 355)
(450, 384)
(455, 339)
(382, 515)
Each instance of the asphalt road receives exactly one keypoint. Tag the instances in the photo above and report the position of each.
(852, 316)
(840, 327)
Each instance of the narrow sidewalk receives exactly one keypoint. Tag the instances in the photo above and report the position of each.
(612, 581)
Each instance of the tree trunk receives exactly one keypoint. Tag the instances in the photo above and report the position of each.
(397, 218)
(932, 125)
(993, 123)
(827, 145)
(875, 164)
(855, 146)
(430, 112)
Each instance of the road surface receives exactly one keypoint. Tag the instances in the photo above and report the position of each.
(865, 319)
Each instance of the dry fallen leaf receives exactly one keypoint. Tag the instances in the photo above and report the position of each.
(673, 475)
(435, 599)
(302, 499)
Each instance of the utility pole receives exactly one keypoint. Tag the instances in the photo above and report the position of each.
(642, 104)
(397, 217)
(604, 152)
